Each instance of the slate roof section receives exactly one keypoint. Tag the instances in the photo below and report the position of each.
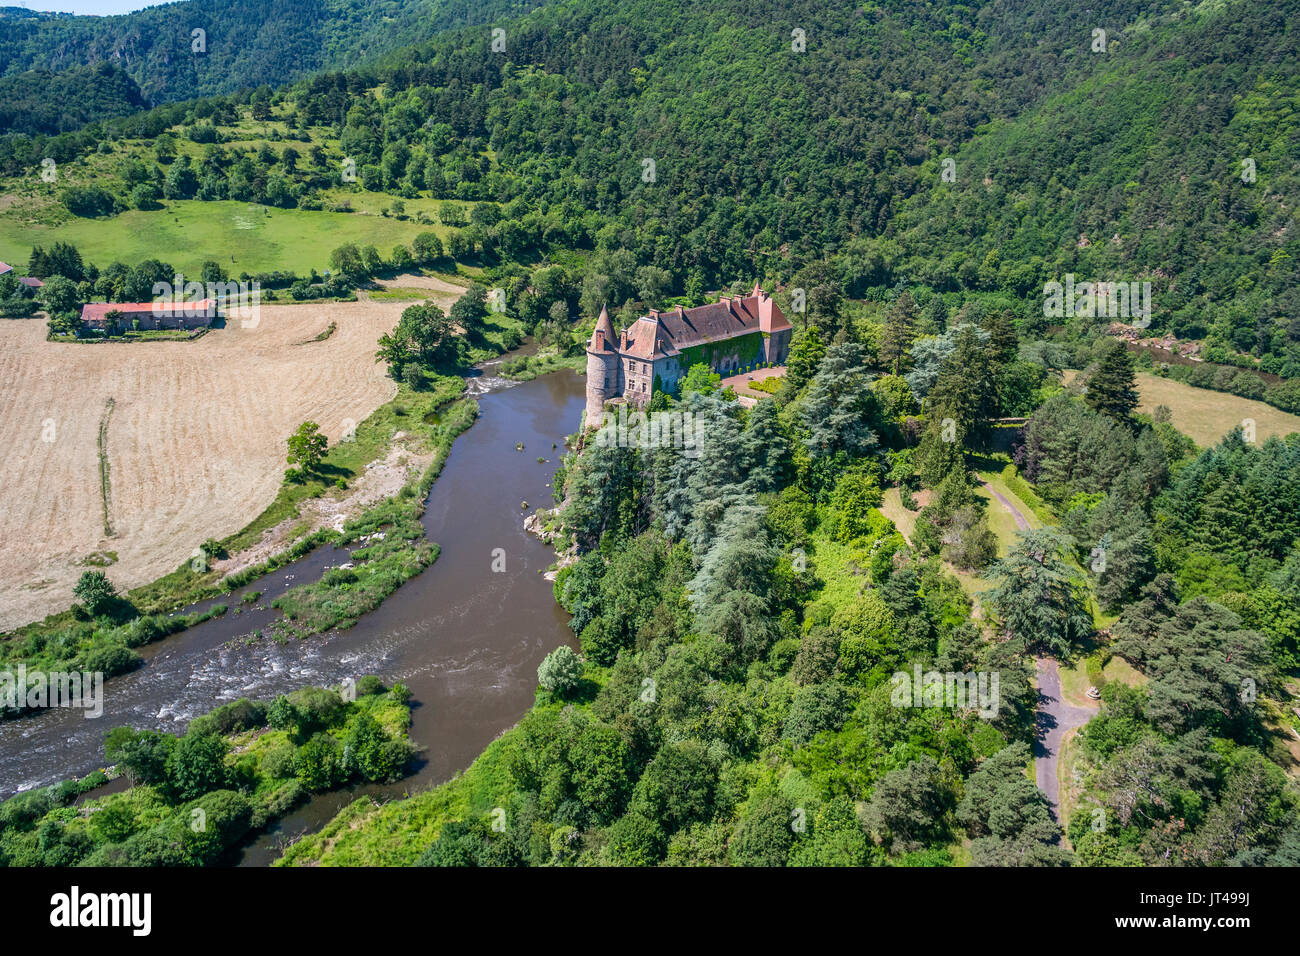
(661, 334)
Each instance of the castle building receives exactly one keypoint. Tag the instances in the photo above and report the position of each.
(734, 334)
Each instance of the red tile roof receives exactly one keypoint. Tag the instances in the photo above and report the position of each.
(98, 311)
(666, 333)
(5, 267)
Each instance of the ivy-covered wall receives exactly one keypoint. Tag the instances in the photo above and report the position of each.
(748, 349)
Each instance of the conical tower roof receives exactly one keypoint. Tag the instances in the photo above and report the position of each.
(602, 337)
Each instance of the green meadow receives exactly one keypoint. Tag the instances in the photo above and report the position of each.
(240, 236)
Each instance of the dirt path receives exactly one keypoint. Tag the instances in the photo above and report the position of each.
(1021, 521)
(1052, 721)
(383, 478)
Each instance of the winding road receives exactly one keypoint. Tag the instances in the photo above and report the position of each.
(1055, 717)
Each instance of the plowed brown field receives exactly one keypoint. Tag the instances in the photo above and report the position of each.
(195, 441)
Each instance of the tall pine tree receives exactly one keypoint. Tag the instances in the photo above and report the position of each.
(899, 332)
(1112, 387)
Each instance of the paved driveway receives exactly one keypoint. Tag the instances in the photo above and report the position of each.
(1054, 718)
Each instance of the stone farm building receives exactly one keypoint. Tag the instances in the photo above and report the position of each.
(734, 334)
(31, 283)
(150, 315)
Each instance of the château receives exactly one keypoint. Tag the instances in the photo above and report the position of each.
(732, 335)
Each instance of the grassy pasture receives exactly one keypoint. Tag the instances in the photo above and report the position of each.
(240, 236)
(1205, 415)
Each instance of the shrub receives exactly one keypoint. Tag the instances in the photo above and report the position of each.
(369, 685)
(815, 708)
(634, 840)
(319, 763)
(561, 671)
(238, 715)
(339, 576)
(111, 659)
(89, 201)
(195, 766)
(95, 591)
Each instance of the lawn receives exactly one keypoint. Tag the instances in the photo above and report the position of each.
(1070, 791)
(1204, 415)
(1001, 520)
(892, 508)
(1075, 681)
(242, 237)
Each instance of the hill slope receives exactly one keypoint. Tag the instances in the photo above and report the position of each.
(244, 42)
(807, 144)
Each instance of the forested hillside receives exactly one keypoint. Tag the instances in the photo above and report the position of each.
(923, 493)
(42, 102)
(812, 146)
(244, 42)
(753, 625)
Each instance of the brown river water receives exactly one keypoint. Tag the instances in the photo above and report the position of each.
(465, 638)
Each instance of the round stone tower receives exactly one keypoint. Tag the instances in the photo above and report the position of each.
(602, 369)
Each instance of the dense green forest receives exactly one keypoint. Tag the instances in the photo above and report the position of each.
(243, 43)
(42, 102)
(744, 617)
(711, 144)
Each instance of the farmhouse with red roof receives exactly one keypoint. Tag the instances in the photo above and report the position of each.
(150, 315)
(734, 334)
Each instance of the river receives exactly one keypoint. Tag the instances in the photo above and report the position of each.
(464, 637)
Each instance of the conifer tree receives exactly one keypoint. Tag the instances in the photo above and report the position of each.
(1112, 387)
(1038, 597)
(899, 332)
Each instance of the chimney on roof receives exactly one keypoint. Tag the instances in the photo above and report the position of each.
(770, 315)
(758, 290)
(603, 333)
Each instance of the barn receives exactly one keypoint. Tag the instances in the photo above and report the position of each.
(126, 316)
